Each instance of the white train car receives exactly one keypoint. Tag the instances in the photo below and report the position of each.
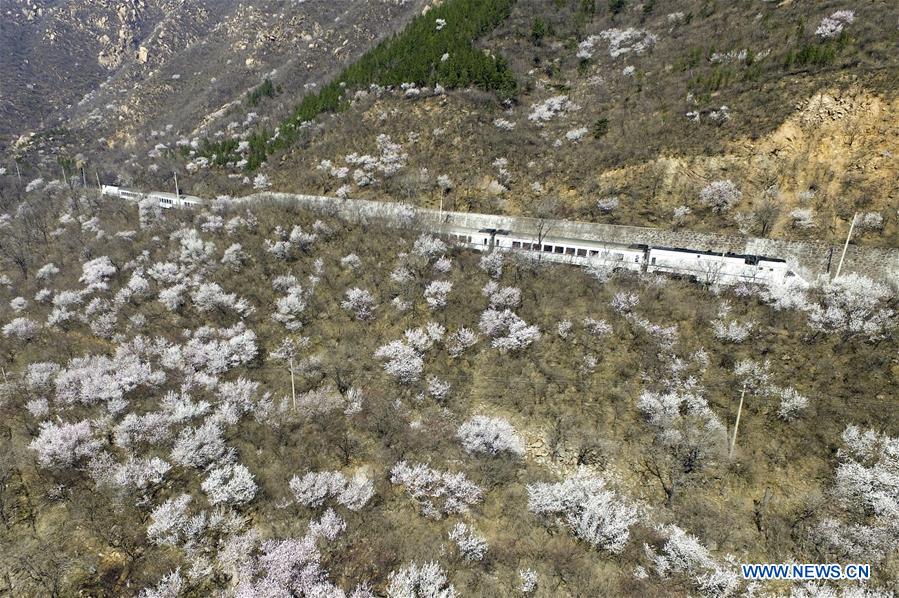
(165, 200)
(170, 200)
(717, 268)
(703, 266)
(554, 249)
(576, 251)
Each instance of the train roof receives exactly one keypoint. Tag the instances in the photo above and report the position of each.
(172, 196)
(744, 256)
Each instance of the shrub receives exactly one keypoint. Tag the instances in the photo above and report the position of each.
(490, 435)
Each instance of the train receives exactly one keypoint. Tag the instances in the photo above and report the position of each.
(701, 266)
(165, 200)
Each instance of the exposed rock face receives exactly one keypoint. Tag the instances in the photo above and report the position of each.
(108, 66)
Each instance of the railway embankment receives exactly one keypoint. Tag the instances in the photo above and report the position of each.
(810, 258)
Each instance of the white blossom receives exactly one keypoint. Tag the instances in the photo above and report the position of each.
(229, 484)
(791, 403)
(21, 328)
(429, 246)
(234, 257)
(96, 273)
(313, 488)
(832, 26)
(593, 512)
(170, 586)
(261, 182)
(459, 341)
(171, 523)
(436, 293)
(528, 579)
(630, 40)
(361, 302)
(471, 545)
(47, 271)
(720, 195)
(853, 305)
(403, 362)
(420, 581)
(201, 446)
(64, 444)
(438, 493)
(490, 435)
(550, 108)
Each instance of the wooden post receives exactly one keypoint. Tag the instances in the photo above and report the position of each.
(293, 388)
(99, 186)
(846, 246)
(733, 441)
(18, 172)
(177, 192)
(83, 179)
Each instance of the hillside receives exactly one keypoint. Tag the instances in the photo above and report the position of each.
(259, 400)
(621, 112)
(134, 74)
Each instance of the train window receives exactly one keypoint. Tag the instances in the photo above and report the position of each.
(789, 273)
(469, 238)
(548, 248)
(569, 250)
(636, 259)
(593, 253)
(560, 249)
(525, 245)
(516, 244)
(653, 262)
(581, 252)
(485, 241)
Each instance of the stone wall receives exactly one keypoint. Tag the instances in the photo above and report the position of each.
(810, 259)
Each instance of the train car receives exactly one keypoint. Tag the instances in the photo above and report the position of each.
(130, 195)
(164, 199)
(718, 268)
(554, 249)
(110, 190)
(577, 252)
(170, 200)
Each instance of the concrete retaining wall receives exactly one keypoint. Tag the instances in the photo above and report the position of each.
(810, 259)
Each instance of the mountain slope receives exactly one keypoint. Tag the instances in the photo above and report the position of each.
(122, 70)
(624, 112)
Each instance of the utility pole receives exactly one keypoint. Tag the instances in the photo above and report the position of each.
(99, 186)
(733, 441)
(18, 173)
(177, 192)
(846, 246)
(83, 179)
(293, 388)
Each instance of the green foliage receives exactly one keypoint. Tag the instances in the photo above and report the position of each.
(539, 30)
(616, 6)
(258, 141)
(711, 82)
(587, 7)
(266, 89)
(600, 128)
(815, 53)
